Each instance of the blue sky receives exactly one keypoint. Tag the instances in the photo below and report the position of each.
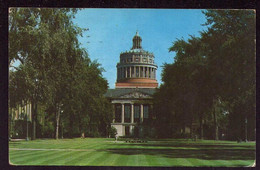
(111, 32)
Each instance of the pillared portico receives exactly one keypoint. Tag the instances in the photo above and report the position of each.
(132, 97)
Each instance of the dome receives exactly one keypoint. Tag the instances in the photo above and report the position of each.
(136, 67)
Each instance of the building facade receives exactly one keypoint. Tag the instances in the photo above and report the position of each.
(135, 85)
(19, 117)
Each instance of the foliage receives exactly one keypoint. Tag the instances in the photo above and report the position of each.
(112, 132)
(55, 73)
(211, 75)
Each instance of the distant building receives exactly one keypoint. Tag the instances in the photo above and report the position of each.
(135, 85)
(21, 112)
(19, 117)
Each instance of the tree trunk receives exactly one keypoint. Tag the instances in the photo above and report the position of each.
(215, 124)
(57, 122)
(61, 130)
(201, 128)
(34, 119)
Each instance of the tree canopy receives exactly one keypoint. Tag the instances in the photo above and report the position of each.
(214, 70)
(56, 73)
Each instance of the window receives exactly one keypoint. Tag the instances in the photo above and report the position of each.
(128, 71)
(144, 59)
(127, 115)
(118, 112)
(137, 60)
(146, 111)
(132, 72)
(136, 113)
(137, 71)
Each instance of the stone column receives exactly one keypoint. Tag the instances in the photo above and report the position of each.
(130, 69)
(135, 71)
(142, 113)
(139, 72)
(125, 72)
(123, 113)
(132, 113)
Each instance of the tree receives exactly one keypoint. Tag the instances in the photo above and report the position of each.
(184, 86)
(231, 55)
(34, 33)
(55, 71)
(218, 67)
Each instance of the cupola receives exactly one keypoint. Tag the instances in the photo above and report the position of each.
(137, 41)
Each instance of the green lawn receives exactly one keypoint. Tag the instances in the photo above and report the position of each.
(107, 152)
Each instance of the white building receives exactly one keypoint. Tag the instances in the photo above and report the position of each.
(136, 83)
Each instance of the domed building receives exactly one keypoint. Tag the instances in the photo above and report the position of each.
(135, 85)
(136, 67)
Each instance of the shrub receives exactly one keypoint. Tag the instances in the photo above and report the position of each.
(112, 132)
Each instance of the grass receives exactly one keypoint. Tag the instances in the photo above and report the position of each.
(107, 152)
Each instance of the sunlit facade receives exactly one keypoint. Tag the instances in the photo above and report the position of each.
(136, 83)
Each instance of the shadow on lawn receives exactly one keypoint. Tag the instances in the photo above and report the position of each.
(199, 151)
(193, 145)
(209, 154)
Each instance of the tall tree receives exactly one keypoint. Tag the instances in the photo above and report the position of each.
(54, 69)
(218, 66)
(230, 43)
